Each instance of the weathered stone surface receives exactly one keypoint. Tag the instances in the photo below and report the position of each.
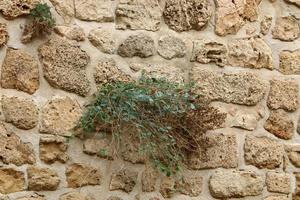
(251, 53)
(171, 47)
(3, 35)
(295, 2)
(14, 8)
(65, 8)
(100, 147)
(296, 194)
(277, 197)
(40, 179)
(290, 62)
(278, 182)
(94, 10)
(71, 32)
(293, 153)
(114, 198)
(190, 185)
(64, 64)
(149, 179)
(124, 179)
(59, 116)
(167, 187)
(20, 71)
(283, 95)
(21, 112)
(280, 124)
(131, 149)
(103, 40)
(265, 25)
(11, 181)
(140, 45)
(53, 148)
(13, 150)
(136, 14)
(286, 29)
(263, 152)
(298, 126)
(247, 120)
(238, 88)
(76, 172)
(208, 51)
(216, 150)
(75, 196)
(32, 197)
(232, 183)
(184, 15)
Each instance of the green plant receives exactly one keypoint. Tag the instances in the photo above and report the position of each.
(42, 14)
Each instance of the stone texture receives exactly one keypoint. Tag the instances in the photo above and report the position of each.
(280, 124)
(251, 53)
(71, 32)
(13, 150)
(171, 47)
(53, 148)
(12, 9)
(167, 187)
(277, 197)
(295, 2)
(20, 71)
(136, 14)
(11, 181)
(216, 150)
(232, 183)
(103, 39)
(59, 116)
(209, 51)
(290, 62)
(75, 196)
(286, 29)
(278, 182)
(21, 112)
(238, 88)
(190, 185)
(296, 194)
(64, 64)
(42, 179)
(99, 147)
(265, 24)
(3, 34)
(32, 197)
(184, 15)
(114, 198)
(149, 179)
(124, 179)
(263, 152)
(94, 10)
(247, 120)
(131, 149)
(65, 8)
(76, 172)
(293, 153)
(140, 45)
(283, 95)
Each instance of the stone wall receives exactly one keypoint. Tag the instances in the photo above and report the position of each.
(244, 55)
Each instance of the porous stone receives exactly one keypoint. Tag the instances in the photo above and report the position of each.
(94, 10)
(77, 171)
(184, 15)
(290, 62)
(216, 150)
(140, 45)
(283, 95)
(278, 182)
(74, 195)
(20, 71)
(190, 185)
(65, 8)
(167, 187)
(137, 15)
(12, 9)
(131, 150)
(71, 32)
(277, 197)
(64, 65)
(263, 152)
(250, 52)
(42, 179)
(32, 197)
(265, 25)
(13, 150)
(171, 47)
(53, 148)
(3, 34)
(21, 112)
(149, 179)
(124, 179)
(103, 39)
(296, 194)
(280, 124)
(286, 29)
(233, 183)
(247, 120)
(295, 2)
(238, 88)
(209, 51)
(100, 147)
(11, 181)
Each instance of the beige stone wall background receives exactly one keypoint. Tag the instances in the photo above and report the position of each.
(254, 155)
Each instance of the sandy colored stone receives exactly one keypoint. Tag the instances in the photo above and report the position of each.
(278, 182)
(295, 2)
(190, 185)
(296, 194)
(171, 47)
(11, 181)
(185, 15)
(14, 8)
(149, 179)
(99, 147)
(251, 53)
(233, 183)
(76, 172)
(3, 34)
(293, 153)
(65, 8)
(70, 32)
(167, 187)
(277, 197)
(290, 62)
(20, 71)
(265, 24)
(124, 179)
(64, 65)
(280, 124)
(59, 116)
(238, 88)
(283, 95)
(246, 120)
(286, 29)
(131, 149)
(209, 51)
(114, 198)
(32, 197)
(74, 195)
(103, 39)
(136, 14)
(53, 148)
(263, 152)
(42, 179)
(21, 112)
